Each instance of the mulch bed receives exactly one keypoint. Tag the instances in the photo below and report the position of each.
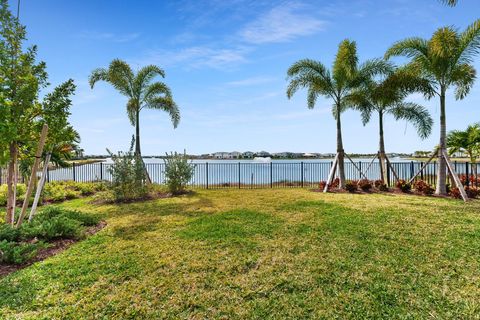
(54, 248)
(392, 191)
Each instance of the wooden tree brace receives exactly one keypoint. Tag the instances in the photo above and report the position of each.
(356, 167)
(424, 166)
(38, 155)
(456, 179)
(331, 174)
(391, 168)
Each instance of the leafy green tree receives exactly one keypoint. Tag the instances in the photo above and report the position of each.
(387, 97)
(445, 60)
(338, 84)
(22, 114)
(140, 89)
(467, 141)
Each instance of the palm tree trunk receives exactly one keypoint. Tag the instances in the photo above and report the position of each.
(137, 135)
(442, 165)
(11, 177)
(340, 151)
(381, 150)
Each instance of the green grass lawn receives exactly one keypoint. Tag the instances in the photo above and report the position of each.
(262, 254)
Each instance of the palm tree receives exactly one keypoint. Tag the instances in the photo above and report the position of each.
(346, 75)
(467, 141)
(387, 96)
(140, 90)
(451, 3)
(445, 60)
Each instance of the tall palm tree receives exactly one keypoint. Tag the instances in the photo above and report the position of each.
(346, 75)
(140, 89)
(387, 96)
(445, 60)
(467, 141)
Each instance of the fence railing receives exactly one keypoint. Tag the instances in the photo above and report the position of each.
(261, 175)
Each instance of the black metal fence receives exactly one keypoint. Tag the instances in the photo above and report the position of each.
(262, 175)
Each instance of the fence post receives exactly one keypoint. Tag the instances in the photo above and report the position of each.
(360, 167)
(467, 174)
(206, 169)
(388, 175)
(0, 176)
(239, 175)
(302, 173)
(412, 169)
(101, 171)
(421, 172)
(48, 174)
(73, 168)
(271, 174)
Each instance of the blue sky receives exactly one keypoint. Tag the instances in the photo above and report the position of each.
(226, 64)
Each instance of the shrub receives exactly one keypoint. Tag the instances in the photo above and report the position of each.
(322, 184)
(379, 185)
(85, 189)
(54, 211)
(423, 187)
(365, 185)
(9, 233)
(472, 192)
(104, 197)
(54, 192)
(128, 176)
(351, 186)
(403, 186)
(178, 172)
(57, 227)
(21, 189)
(18, 253)
(455, 193)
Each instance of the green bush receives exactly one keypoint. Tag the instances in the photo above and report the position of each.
(18, 253)
(129, 180)
(21, 189)
(178, 172)
(54, 211)
(9, 233)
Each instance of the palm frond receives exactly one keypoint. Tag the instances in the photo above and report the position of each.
(121, 77)
(99, 74)
(410, 47)
(416, 115)
(154, 89)
(166, 104)
(463, 77)
(308, 74)
(132, 109)
(147, 74)
(469, 43)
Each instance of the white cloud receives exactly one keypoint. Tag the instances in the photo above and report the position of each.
(250, 81)
(197, 56)
(108, 36)
(282, 23)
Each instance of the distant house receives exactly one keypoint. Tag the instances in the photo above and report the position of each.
(248, 154)
(282, 154)
(221, 155)
(263, 154)
(227, 155)
(235, 155)
(309, 155)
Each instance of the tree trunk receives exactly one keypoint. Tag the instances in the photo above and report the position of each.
(340, 152)
(442, 165)
(11, 177)
(137, 135)
(381, 151)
